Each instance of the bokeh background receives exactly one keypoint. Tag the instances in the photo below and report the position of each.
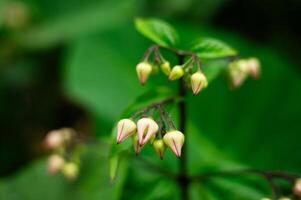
(71, 64)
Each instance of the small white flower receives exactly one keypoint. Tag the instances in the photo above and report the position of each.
(146, 128)
(54, 139)
(143, 70)
(198, 82)
(174, 140)
(297, 188)
(55, 164)
(254, 68)
(125, 128)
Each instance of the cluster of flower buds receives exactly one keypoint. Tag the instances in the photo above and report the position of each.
(240, 69)
(59, 142)
(146, 130)
(191, 70)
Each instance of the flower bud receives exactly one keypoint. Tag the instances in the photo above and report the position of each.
(147, 128)
(143, 70)
(165, 67)
(297, 188)
(125, 128)
(159, 147)
(176, 73)
(198, 82)
(55, 164)
(70, 171)
(174, 140)
(238, 71)
(54, 139)
(254, 68)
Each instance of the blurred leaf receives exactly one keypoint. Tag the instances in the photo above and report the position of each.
(158, 31)
(102, 16)
(208, 48)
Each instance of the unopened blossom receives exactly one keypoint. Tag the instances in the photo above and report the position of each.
(176, 73)
(254, 68)
(143, 70)
(55, 164)
(198, 82)
(125, 128)
(238, 72)
(70, 171)
(174, 140)
(146, 128)
(297, 188)
(54, 139)
(165, 67)
(159, 147)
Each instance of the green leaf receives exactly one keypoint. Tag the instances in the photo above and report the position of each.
(97, 17)
(208, 48)
(157, 31)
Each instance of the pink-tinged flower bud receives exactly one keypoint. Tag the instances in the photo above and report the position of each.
(55, 164)
(165, 67)
(70, 171)
(174, 140)
(54, 139)
(297, 188)
(254, 68)
(159, 147)
(198, 82)
(146, 128)
(143, 70)
(125, 128)
(176, 73)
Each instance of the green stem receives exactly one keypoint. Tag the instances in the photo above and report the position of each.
(183, 177)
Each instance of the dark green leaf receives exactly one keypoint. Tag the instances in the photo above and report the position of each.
(158, 31)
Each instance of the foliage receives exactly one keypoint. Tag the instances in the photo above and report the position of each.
(228, 130)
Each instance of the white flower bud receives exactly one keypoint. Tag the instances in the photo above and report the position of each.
(297, 188)
(176, 73)
(54, 139)
(159, 147)
(238, 71)
(143, 70)
(254, 68)
(165, 67)
(174, 140)
(125, 128)
(198, 82)
(70, 171)
(146, 128)
(55, 164)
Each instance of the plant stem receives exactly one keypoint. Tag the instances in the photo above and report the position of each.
(183, 178)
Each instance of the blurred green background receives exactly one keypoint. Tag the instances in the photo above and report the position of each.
(72, 63)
